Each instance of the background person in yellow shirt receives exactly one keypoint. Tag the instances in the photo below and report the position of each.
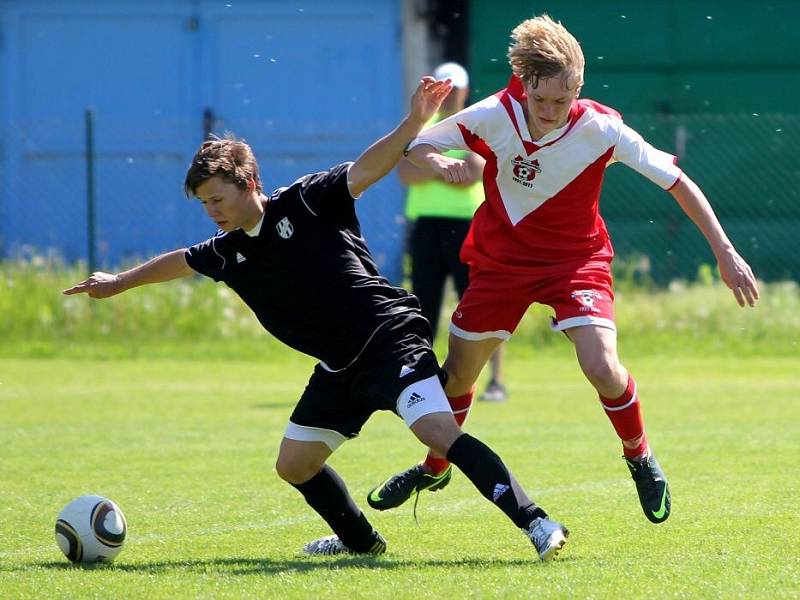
(440, 214)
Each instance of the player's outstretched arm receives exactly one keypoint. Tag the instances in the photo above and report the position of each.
(161, 268)
(409, 173)
(735, 272)
(451, 170)
(382, 156)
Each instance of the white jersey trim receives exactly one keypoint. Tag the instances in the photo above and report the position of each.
(350, 166)
(303, 198)
(214, 248)
(360, 352)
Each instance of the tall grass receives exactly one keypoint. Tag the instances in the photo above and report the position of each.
(192, 316)
(195, 317)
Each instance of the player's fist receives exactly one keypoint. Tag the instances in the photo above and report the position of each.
(451, 170)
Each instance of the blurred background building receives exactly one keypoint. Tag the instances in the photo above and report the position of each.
(310, 84)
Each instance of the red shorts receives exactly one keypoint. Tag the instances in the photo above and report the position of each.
(495, 302)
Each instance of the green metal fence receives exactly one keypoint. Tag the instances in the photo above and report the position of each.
(715, 82)
(746, 165)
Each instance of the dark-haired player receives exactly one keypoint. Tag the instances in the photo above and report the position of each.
(298, 260)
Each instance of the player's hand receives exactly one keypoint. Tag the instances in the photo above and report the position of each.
(428, 97)
(99, 285)
(451, 170)
(738, 276)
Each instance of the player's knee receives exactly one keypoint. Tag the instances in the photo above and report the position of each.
(295, 469)
(459, 381)
(603, 371)
(438, 431)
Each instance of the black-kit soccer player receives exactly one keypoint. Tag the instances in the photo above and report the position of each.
(298, 260)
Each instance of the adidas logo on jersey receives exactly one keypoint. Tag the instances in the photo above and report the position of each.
(240, 257)
(414, 399)
(499, 490)
(405, 370)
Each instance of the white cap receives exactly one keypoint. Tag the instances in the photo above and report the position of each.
(454, 72)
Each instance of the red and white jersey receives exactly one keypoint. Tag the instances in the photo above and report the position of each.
(541, 206)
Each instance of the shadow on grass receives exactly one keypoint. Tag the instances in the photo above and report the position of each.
(268, 566)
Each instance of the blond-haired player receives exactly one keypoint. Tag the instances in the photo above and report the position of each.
(539, 237)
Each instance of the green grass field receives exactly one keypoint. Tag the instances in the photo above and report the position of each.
(187, 450)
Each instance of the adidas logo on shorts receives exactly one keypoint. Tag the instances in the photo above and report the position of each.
(414, 399)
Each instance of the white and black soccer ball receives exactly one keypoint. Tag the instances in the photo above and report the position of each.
(91, 529)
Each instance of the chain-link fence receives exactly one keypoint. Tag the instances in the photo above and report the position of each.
(139, 168)
(746, 165)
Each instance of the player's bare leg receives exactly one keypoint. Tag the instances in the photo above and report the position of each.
(495, 390)
(596, 349)
(464, 362)
(302, 464)
(494, 481)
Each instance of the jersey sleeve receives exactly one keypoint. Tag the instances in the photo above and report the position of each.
(206, 259)
(659, 167)
(447, 134)
(327, 194)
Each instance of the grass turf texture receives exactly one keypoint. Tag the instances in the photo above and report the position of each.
(187, 450)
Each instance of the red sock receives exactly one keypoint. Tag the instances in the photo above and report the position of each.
(625, 414)
(460, 406)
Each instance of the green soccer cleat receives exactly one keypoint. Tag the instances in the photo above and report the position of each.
(651, 484)
(399, 488)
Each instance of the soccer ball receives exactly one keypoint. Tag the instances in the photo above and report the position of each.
(91, 529)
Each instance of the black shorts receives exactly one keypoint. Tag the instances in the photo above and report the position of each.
(343, 401)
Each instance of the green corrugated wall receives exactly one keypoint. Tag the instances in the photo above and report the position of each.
(716, 82)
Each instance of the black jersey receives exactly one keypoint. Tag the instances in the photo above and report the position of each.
(308, 275)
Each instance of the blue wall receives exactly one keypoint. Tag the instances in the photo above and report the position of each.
(308, 84)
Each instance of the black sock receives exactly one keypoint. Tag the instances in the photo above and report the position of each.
(327, 494)
(494, 481)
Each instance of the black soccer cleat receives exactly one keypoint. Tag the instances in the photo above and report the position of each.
(399, 488)
(652, 486)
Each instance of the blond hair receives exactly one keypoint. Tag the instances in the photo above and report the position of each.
(543, 48)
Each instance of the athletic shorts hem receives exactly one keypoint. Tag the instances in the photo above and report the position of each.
(581, 322)
(422, 398)
(302, 433)
(501, 334)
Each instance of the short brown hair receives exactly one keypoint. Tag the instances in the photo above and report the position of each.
(229, 158)
(543, 48)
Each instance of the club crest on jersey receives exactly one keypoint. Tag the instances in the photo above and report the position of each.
(285, 228)
(587, 298)
(525, 171)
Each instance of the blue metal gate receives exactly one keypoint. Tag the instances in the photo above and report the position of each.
(307, 84)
